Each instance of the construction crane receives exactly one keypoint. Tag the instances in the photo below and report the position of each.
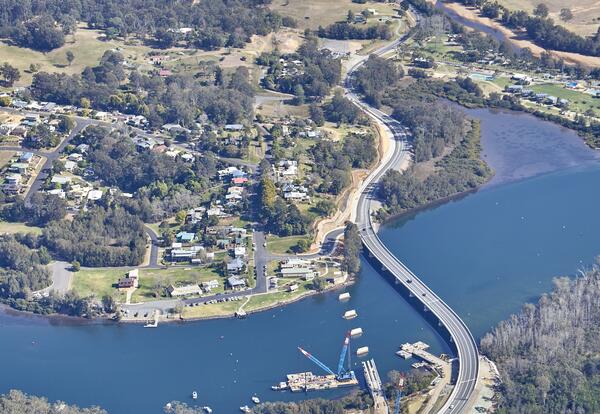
(342, 374)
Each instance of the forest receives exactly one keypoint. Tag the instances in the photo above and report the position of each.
(178, 99)
(42, 25)
(374, 76)
(459, 171)
(100, 237)
(17, 402)
(547, 354)
(345, 31)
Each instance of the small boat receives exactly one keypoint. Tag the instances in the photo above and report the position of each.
(351, 314)
(194, 395)
(207, 409)
(363, 350)
(255, 399)
(356, 332)
(344, 296)
(245, 409)
(281, 386)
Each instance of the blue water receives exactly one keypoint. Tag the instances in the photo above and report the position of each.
(129, 369)
(490, 252)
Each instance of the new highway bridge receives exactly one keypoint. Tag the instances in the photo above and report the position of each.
(462, 340)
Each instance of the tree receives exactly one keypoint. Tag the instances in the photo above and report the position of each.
(566, 14)
(316, 114)
(75, 266)
(350, 16)
(541, 10)
(70, 57)
(352, 249)
(10, 74)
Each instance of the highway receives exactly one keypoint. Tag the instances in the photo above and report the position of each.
(461, 337)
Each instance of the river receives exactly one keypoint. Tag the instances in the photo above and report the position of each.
(485, 254)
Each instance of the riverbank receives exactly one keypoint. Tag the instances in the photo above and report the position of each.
(472, 15)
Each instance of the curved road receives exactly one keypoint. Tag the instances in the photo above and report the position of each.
(463, 341)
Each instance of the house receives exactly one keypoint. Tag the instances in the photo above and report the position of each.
(187, 157)
(303, 272)
(514, 88)
(164, 73)
(236, 282)
(131, 280)
(230, 171)
(186, 290)
(12, 184)
(296, 196)
(293, 287)
(101, 115)
(75, 157)
(185, 237)
(235, 266)
(239, 180)
(82, 148)
(18, 167)
(94, 195)
(234, 127)
(210, 285)
(59, 192)
(57, 179)
(182, 255)
(294, 262)
(239, 251)
(70, 165)
(26, 157)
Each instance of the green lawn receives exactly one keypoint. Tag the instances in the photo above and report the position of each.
(282, 245)
(100, 282)
(12, 228)
(578, 101)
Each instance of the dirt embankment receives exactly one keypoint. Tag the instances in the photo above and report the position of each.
(473, 15)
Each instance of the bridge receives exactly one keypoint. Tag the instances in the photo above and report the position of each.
(375, 387)
(460, 336)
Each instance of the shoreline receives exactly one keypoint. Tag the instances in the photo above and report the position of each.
(61, 319)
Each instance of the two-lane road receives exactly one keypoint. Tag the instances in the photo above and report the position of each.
(462, 340)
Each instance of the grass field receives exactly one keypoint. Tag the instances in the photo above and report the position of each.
(578, 101)
(5, 157)
(100, 282)
(584, 12)
(311, 14)
(86, 45)
(13, 228)
(282, 245)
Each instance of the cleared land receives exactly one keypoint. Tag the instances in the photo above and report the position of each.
(13, 228)
(282, 245)
(311, 14)
(5, 157)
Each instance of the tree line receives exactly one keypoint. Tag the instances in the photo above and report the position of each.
(539, 27)
(345, 31)
(547, 354)
(17, 402)
(215, 23)
(179, 99)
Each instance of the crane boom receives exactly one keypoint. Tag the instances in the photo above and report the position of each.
(316, 361)
(340, 367)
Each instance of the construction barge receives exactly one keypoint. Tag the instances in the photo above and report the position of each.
(307, 381)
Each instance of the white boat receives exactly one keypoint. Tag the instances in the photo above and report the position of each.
(344, 296)
(207, 409)
(245, 409)
(363, 350)
(281, 386)
(356, 332)
(351, 314)
(194, 395)
(255, 399)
